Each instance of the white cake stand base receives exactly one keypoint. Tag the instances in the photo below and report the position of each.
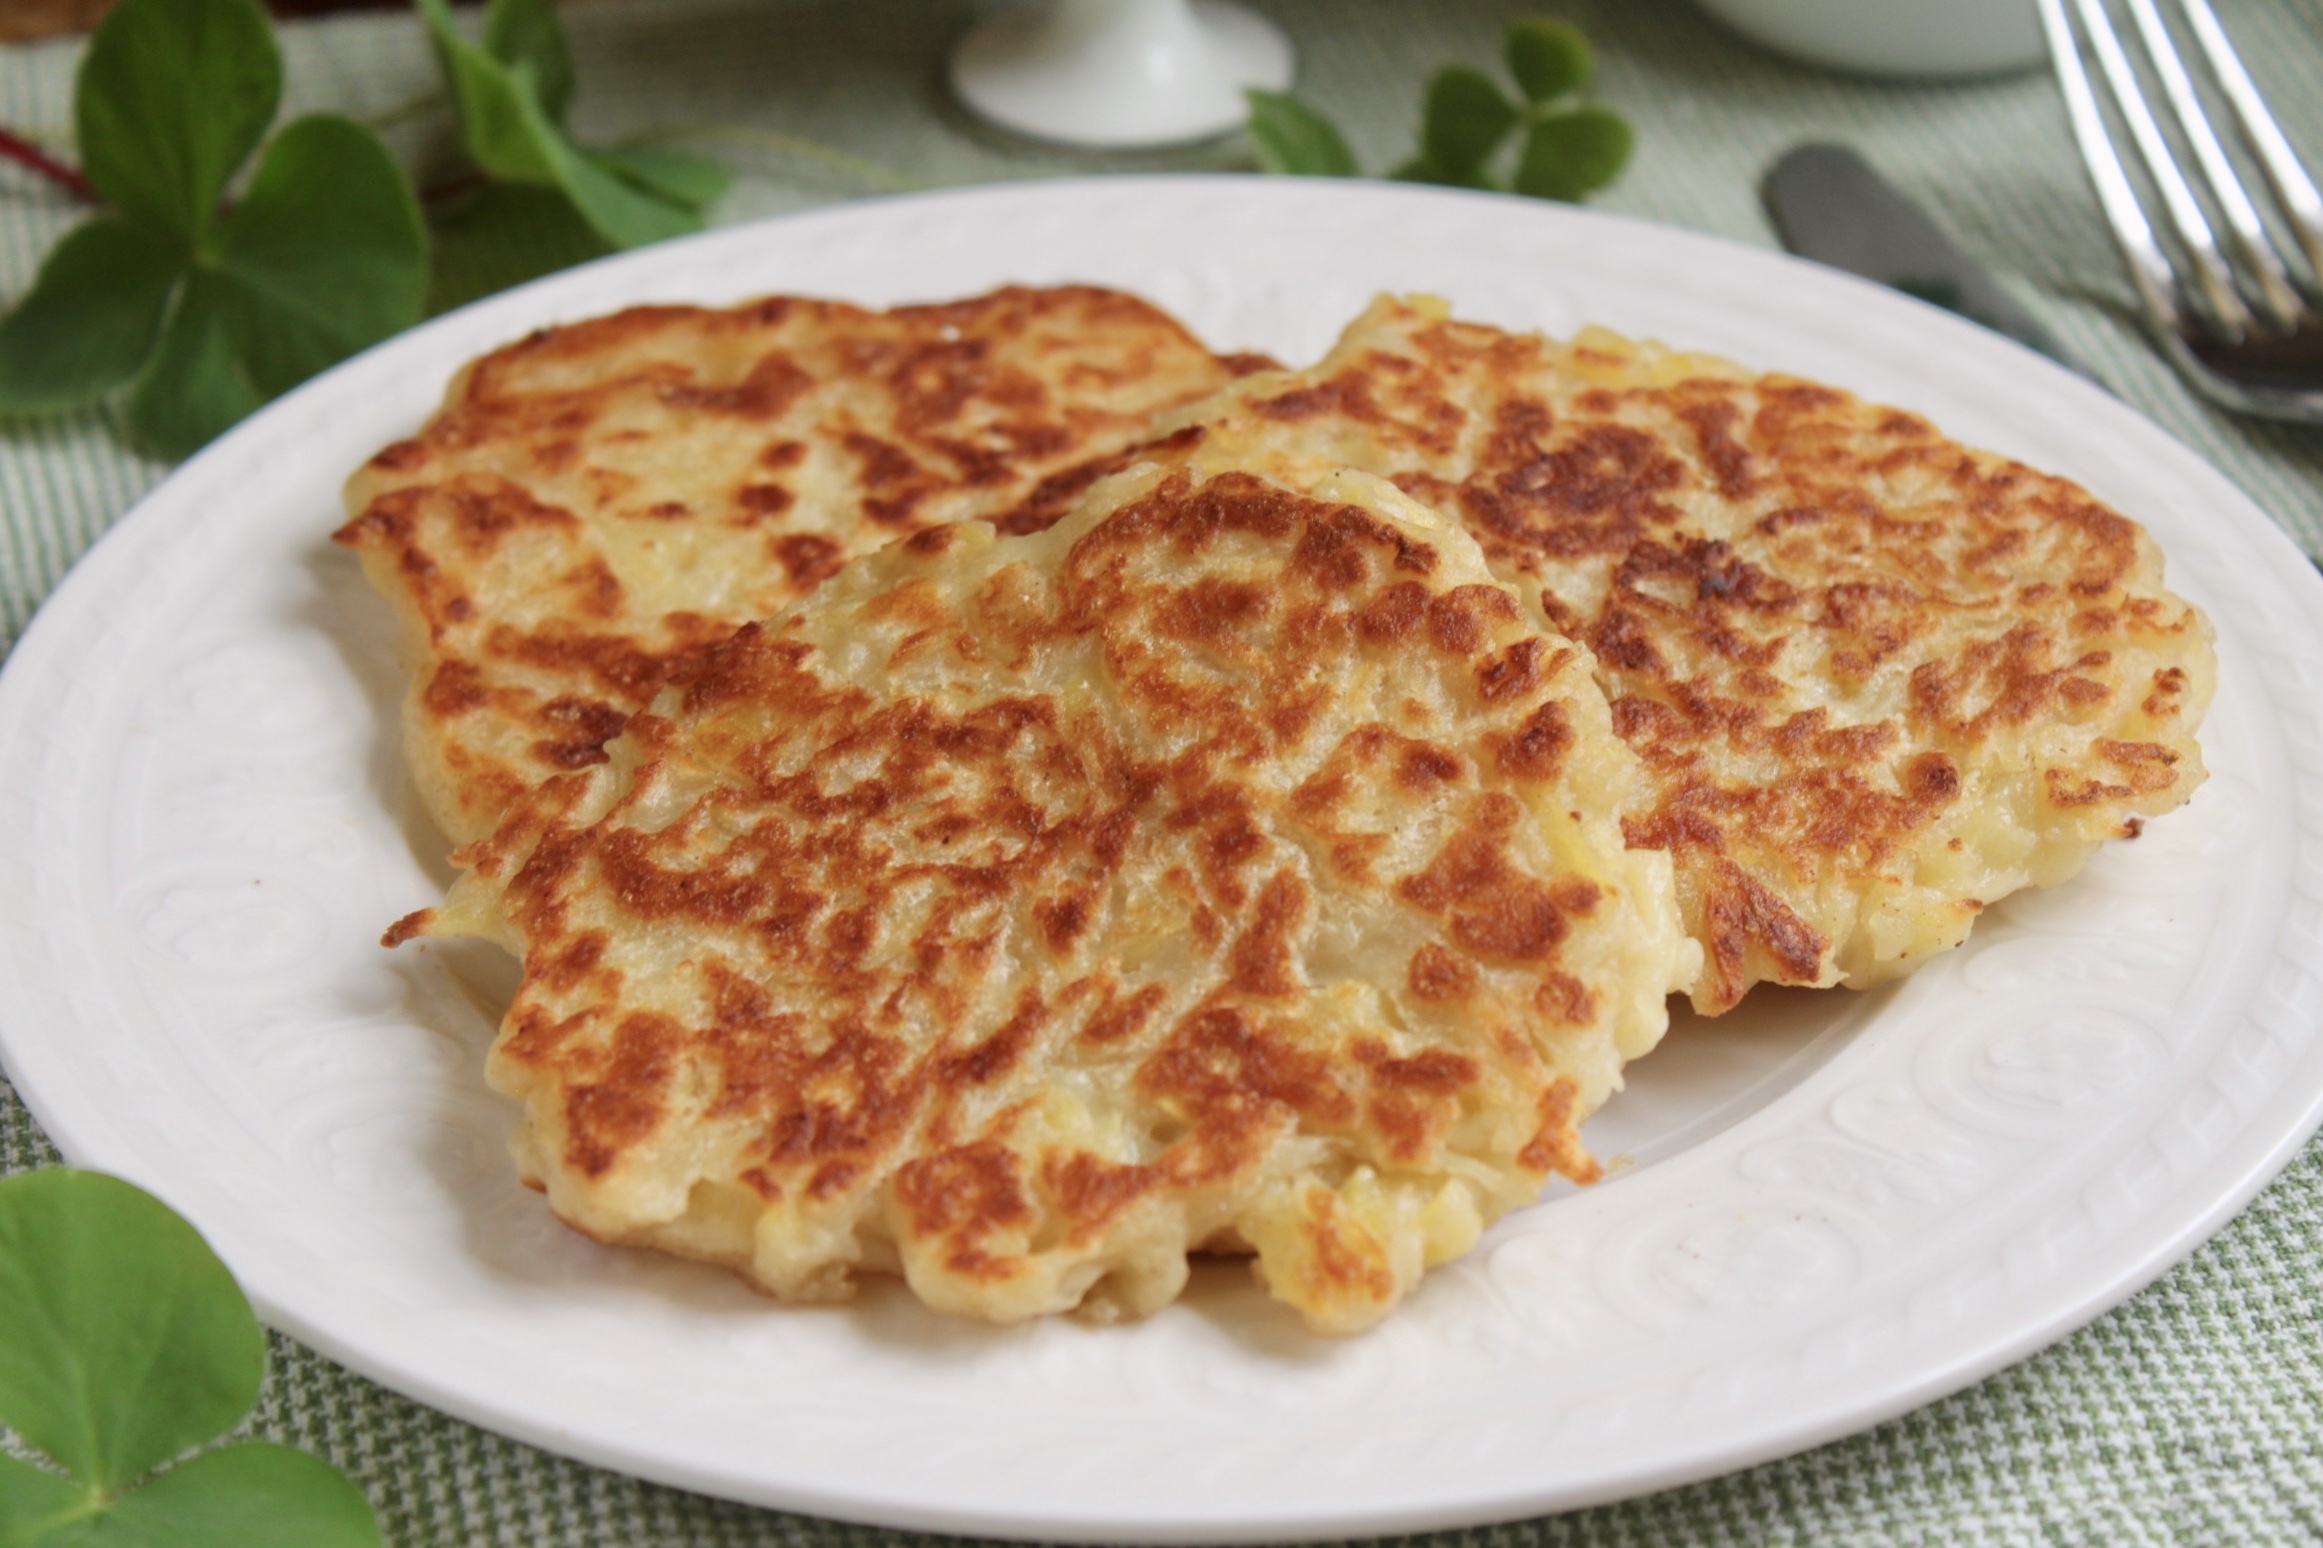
(1120, 73)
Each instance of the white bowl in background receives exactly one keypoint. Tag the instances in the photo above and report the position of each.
(1893, 37)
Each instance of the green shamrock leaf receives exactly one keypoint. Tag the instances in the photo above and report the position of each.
(127, 1341)
(1463, 122)
(254, 1495)
(193, 387)
(35, 1503)
(125, 1344)
(1292, 137)
(1572, 152)
(1569, 148)
(91, 319)
(172, 97)
(1550, 59)
(324, 255)
(512, 90)
(205, 310)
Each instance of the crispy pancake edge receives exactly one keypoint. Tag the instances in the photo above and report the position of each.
(1807, 612)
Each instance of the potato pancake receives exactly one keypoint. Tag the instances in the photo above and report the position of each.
(597, 501)
(1878, 680)
(1223, 867)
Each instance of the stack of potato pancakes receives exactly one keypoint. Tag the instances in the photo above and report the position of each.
(996, 794)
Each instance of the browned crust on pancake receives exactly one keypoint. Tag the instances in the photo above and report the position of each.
(1211, 869)
(597, 502)
(1838, 639)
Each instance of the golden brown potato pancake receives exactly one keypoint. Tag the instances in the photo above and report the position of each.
(1879, 680)
(1223, 867)
(599, 500)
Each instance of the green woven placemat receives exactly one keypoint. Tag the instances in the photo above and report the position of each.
(2191, 1415)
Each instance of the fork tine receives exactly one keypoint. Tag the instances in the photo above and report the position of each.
(2302, 205)
(2148, 266)
(2261, 267)
(2187, 222)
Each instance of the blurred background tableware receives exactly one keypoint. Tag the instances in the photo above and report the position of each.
(1831, 205)
(1120, 74)
(2231, 293)
(1892, 37)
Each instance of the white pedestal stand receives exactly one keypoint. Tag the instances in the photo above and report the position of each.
(1119, 73)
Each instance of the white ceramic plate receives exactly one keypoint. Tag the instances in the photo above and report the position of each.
(1839, 1206)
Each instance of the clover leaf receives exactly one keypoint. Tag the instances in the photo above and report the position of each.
(91, 319)
(1569, 147)
(1462, 124)
(125, 1344)
(1570, 152)
(127, 1341)
(1550, 59)
(1293, 138)
(171, 99)
(512, 90)
(206, 308)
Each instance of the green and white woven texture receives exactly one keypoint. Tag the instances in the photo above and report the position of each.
(2192, 1414)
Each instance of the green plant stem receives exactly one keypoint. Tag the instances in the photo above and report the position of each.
(886, 179)
(15, 147)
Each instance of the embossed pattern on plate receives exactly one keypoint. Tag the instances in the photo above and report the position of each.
(1837, 1207)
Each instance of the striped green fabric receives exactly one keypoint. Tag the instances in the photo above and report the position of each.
(2191, 1415)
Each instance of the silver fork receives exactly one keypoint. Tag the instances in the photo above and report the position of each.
(2240, 315)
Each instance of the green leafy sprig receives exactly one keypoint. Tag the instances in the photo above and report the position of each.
(125, 1345)
(1568, 146)
(512, 88)
(205, 309)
